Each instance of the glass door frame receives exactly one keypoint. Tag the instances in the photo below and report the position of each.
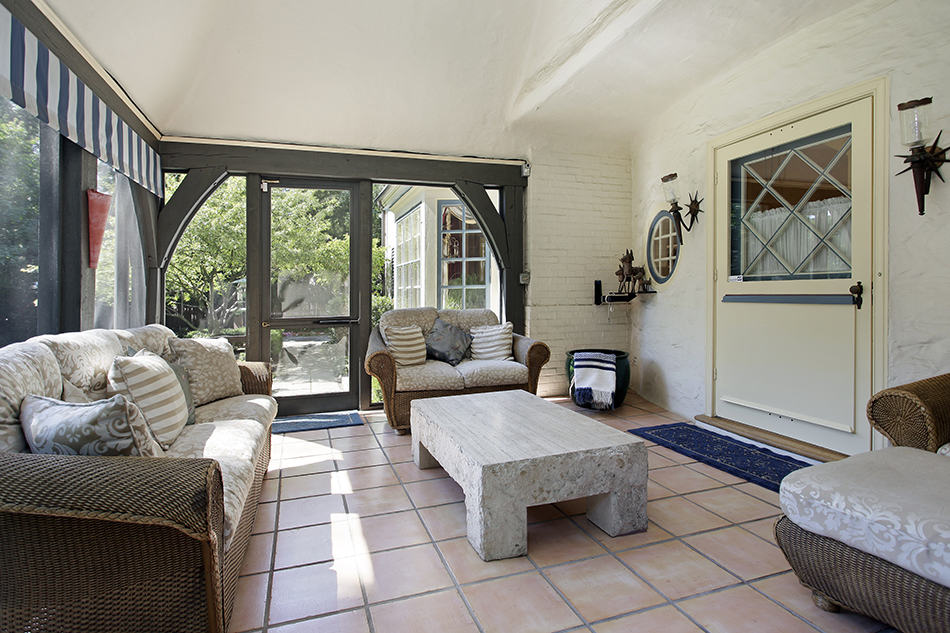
(260, 319)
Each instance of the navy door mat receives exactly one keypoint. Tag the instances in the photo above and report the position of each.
(752, 463)
(314, 421)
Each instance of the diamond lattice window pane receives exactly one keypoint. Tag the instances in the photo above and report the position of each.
(824, 261)
(794, 243)
(791, 209)
(767, 167)
(766, 265)
(795, 180)
(823, 152)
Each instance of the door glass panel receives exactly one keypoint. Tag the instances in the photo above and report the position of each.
(310, 361)
(452, 245)
(452, 273)
(475, 298)
(452, 298)
(474, 245)
(452, 218)
(791, 209)
(310, 252)
(475, 273)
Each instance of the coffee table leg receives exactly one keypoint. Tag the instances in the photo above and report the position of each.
(620, 512)
(496, 529)
(421, 455)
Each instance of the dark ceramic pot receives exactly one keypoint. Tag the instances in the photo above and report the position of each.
(623, 372)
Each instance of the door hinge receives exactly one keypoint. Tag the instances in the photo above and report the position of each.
(266, 183)
(715, 274)
(715, 373)
(716, 178)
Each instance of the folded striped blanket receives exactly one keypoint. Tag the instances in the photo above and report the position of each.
(595, 378)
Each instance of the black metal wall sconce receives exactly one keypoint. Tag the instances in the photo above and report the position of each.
(924, 161)
(632, 280)
(692, 209)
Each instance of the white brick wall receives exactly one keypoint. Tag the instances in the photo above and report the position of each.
(578, 224)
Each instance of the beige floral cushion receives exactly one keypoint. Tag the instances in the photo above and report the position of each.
(260, 408)
(153, 337)
(106, 427)
(236, 445)
(25, 368)
(432, 375)
(211, 367)
(150, 383)
(423, 317)
(85, 357)
(491, 373)
(467, 319)
(890, 503)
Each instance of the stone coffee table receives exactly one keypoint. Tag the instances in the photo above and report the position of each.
(510, 449)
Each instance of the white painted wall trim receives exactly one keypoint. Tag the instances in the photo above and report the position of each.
(878, 90)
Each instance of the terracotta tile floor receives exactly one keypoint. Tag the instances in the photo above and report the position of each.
(353, 537)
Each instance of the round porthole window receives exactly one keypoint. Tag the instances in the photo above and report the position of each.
(663, 247)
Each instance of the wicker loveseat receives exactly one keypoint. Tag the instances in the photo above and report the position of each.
(890, 505)
(93, 543)
(402, 385)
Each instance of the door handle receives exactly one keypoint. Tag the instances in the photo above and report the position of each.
(857, 294)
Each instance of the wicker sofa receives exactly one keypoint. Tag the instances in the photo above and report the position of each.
(891, 501)
(95, 543)
(402, 385)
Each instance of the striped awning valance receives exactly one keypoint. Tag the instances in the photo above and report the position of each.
(36, 80)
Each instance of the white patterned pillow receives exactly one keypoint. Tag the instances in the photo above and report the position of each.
(105, 427)
(492, 342)
(211, 367)
(944, 450)
(406, 344)
(151, 384)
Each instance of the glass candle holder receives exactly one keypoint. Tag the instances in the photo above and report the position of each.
(669, 187)
(915, 120)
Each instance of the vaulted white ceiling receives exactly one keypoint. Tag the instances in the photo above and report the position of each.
(460, 77)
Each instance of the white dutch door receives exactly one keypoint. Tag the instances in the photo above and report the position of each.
(792, 351)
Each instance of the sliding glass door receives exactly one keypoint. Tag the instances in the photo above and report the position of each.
(310, 290)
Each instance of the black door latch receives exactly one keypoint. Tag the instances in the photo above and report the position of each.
(857, 292)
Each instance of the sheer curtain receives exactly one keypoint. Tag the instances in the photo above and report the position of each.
(121, 302)
(796, 242)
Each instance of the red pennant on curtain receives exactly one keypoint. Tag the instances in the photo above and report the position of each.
(98, 214)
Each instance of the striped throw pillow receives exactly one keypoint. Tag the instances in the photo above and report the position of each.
(492, 342)
(406, 344)
(149, 382)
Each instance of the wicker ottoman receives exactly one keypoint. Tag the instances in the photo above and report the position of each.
(871, 534)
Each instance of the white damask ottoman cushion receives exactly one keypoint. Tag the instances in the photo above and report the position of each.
(891, 503)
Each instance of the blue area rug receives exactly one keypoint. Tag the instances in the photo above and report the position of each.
(314, 421)
(752, 463)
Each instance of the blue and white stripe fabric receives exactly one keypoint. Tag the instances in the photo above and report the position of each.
(36, 80)
(595, 378)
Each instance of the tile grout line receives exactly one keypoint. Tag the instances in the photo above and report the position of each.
(669, 600)
(433, 542)
(536, 568)
(346, 510)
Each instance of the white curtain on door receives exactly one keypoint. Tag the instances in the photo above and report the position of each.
(795, 243)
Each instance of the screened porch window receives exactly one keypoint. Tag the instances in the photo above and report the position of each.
(19, 222)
